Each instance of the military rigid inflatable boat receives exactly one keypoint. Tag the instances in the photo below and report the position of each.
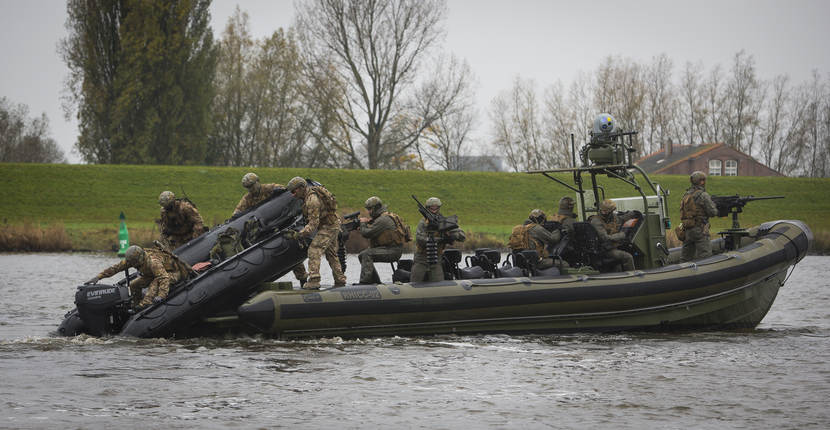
(732, 289)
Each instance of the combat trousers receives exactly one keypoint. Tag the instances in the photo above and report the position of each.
(324, 242)
(697, 244)
(158, 288)
(622, 258)
(367, 257)
(423, 272)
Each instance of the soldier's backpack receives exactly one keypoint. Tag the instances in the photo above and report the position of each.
(520, 238)
(228, 244)
(403, 230)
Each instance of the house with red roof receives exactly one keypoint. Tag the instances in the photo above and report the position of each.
(715, 159)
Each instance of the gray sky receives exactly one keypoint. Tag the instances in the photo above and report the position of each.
(540, 40)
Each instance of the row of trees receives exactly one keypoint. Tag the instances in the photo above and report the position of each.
(149, 85)
(785, 126)
(24, 139)
(363, 84)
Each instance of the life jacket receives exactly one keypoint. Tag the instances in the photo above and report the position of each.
(692, 214)
(328, 213)
(228, 244)
(398, 236)
(559, 218)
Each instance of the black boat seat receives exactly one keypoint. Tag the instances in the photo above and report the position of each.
(403, 271)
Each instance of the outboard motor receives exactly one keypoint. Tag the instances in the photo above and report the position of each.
(103, 308)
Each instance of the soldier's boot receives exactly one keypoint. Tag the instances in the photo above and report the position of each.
(312, 284)
(339, 280)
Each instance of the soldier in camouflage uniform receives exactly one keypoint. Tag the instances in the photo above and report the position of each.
(422, 270)
(533, 235)
(386, 233)
(320, 212)
(159, 270)
(695, 209)
(565, 216)
(257, 192)
(180, 221)
(608, 224)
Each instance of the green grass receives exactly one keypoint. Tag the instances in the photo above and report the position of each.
(87, 198)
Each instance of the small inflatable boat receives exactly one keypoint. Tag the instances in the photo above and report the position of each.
(105, 309)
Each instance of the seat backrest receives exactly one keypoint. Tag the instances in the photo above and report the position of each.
(585, 247)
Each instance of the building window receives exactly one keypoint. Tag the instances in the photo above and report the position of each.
(730, 168)
(714, 167)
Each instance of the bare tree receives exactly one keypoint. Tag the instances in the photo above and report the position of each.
(691, 100)
(713, 110)
(517, 126)
(619, 90)
(660, 111)
(374, 47)
(444, 141)
(25, 140)
(741, 93)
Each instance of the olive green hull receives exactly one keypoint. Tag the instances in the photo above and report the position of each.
(734, 289)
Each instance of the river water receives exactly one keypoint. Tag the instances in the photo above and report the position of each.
(777, 376)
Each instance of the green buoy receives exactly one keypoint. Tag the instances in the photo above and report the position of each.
(123, 236)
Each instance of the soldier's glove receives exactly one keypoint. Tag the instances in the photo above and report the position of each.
(291, 234)
(157, 300)
(91, 281)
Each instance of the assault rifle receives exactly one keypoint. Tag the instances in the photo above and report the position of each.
(350, 223)
(437, 222)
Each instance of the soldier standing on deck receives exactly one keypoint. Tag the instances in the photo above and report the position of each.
(696, 208)
(426, 235)
(180, 221)
(320, 212)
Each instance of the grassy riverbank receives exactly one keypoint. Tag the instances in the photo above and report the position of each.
(77, 206)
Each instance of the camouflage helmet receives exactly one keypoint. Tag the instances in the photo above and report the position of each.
(697, 177)
(537, 215)
(166, 198)
(607, 206)
(294, 183)
(249, 180)
(566, 204)
(433, 201)
(603, 124)
(373, 202)
(134, 255)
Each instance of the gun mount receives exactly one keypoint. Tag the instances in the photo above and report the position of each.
(734, 205)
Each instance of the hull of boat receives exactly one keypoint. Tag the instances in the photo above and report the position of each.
(727, 291)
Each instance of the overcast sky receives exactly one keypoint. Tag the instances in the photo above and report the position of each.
(540, 40)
